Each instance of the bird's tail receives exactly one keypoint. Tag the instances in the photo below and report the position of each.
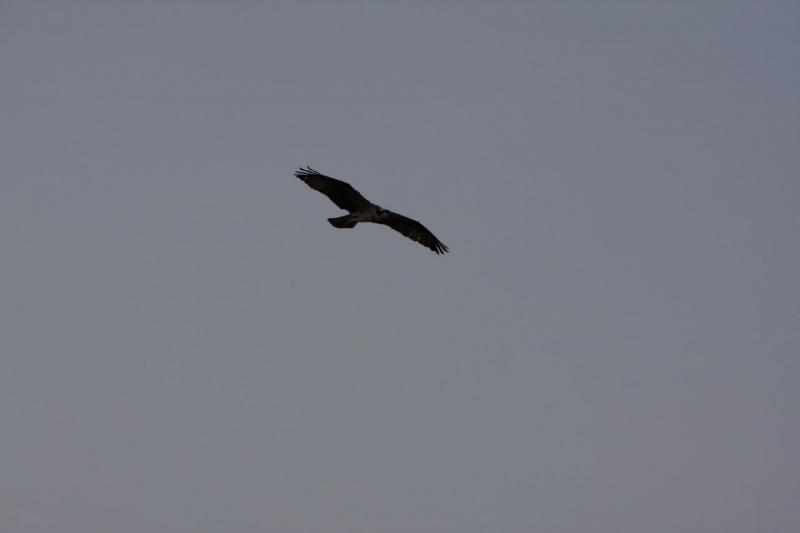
(343, 222)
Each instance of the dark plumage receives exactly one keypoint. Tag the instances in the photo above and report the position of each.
(362, 210)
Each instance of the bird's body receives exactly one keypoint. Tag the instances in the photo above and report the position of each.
(362, 210)
(371, 213)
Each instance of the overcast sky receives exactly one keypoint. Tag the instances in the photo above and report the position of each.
(612, 345)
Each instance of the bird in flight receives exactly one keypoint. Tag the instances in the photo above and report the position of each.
(362, 210)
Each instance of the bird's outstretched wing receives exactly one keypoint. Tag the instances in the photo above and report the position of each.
(341, 193)
(413, 230)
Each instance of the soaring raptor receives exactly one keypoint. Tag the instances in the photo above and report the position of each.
(362, 210)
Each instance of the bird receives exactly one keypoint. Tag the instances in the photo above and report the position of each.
(360, 209)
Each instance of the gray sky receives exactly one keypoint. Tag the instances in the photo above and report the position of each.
(188, 346)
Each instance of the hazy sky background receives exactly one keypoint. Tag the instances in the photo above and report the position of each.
(188, 346)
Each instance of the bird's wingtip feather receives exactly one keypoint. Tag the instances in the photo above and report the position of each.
(304, 172)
